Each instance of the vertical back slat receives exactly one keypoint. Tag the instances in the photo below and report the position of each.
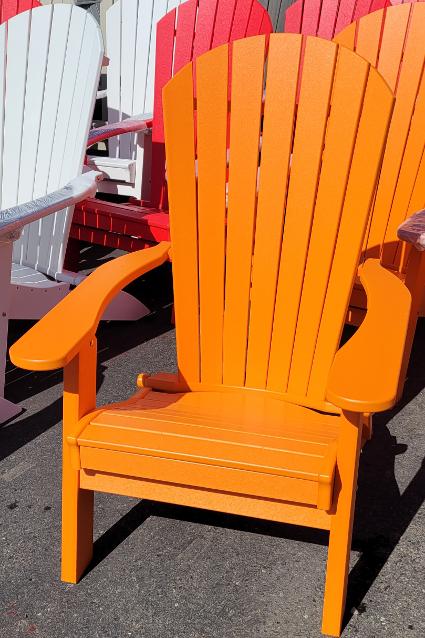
(392, 44)
(409, 74)
(310, 19)
(373, 125)
(69, 74)
(347, 98)
(282, 67)
(240, 20)
(316, 85)
(113, 51)
(328, 17)
(17, 55)
(407, 178)
(185, 29)
(293, 17)
(34, 93)
(179, 127)
(223, 27)
(212, 86)
(163, 72)
(60, 22)
(159, 11)
(246, 98)
(204, 27)
(79, 119)
(128, 58)
(368, 36)
(345, 14)
(256, 22)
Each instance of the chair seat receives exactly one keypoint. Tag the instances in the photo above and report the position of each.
(26, 276)
(248, 442)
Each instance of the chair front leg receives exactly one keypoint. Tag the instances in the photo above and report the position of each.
(342, 523)
(77, 503)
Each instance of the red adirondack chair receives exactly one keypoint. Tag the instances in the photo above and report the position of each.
(11, 8)
(138, 224)
(325, 18)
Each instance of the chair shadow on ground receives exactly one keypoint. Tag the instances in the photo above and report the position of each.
(114, 338)
(383, 513)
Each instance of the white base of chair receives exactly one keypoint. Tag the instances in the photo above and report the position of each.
(33, 295)
(8, 410)
(125, 307)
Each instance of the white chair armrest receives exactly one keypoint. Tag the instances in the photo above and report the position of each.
(83, 186)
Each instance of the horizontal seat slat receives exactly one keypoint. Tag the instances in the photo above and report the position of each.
(253, 433)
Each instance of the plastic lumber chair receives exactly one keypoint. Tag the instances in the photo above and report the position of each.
(393, 40)
(139, 224)
(44, 123)
(325, 18)
(130, 91)
(264, 417)
(39, 275)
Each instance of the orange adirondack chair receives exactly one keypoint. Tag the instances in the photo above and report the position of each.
(393, 40)
(264, 417)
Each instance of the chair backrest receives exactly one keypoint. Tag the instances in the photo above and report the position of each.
(178, 42)
(393, 40)
(131, 69)
(10, 8)
(325, 18)
(263, 271)
(50, 61)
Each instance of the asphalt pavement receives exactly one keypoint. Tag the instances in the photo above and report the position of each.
(162, 571)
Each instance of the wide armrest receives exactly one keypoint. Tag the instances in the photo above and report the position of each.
(412, 230)
(134, 124)
(83, 186)
(60, 334)
(365, 373)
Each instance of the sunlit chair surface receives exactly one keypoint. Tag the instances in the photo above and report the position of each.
(264, 417)
(49, 68)
(136, 76)
(11, 8)
(325, 18)
(393, 40)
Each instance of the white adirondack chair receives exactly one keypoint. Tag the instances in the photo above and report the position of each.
(50, 61)
(130, 92)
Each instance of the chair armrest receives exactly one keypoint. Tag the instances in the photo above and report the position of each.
(365, 373)
(412, 230)
(83, 186)
(134, 124)
(55, 340)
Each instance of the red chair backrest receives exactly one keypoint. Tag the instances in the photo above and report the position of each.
(10, 8)
(325, 18)
(178, 42)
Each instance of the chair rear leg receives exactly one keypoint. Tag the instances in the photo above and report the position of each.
(342, 523)
(77, 522)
